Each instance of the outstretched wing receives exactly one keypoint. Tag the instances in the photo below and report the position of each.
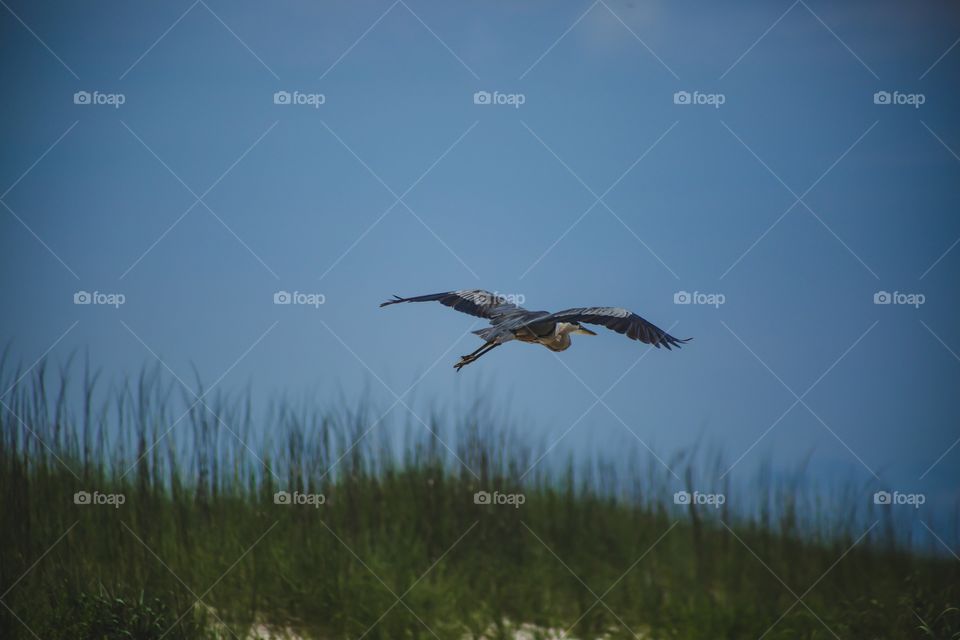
(476, 302)
(621, 321)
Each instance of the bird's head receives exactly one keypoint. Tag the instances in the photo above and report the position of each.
(574, 327)
(582, 329)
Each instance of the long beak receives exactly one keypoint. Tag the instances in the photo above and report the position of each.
(585, 331)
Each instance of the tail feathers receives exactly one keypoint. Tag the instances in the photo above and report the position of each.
(486, 334)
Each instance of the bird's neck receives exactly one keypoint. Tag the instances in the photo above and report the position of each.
(561, 337)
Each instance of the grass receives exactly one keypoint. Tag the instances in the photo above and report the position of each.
(399, 549)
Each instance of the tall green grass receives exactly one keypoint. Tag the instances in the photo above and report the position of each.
(399, 549)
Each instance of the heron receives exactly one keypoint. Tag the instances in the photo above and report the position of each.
(553, 330)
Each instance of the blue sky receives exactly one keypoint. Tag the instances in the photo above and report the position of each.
(796, 199)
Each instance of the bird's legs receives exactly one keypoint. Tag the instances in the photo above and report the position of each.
(476, 351)
(467, 359)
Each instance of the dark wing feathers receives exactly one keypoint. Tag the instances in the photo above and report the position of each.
(621, 321)
(475, 302)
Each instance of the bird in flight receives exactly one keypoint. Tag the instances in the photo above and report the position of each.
(511, 322)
